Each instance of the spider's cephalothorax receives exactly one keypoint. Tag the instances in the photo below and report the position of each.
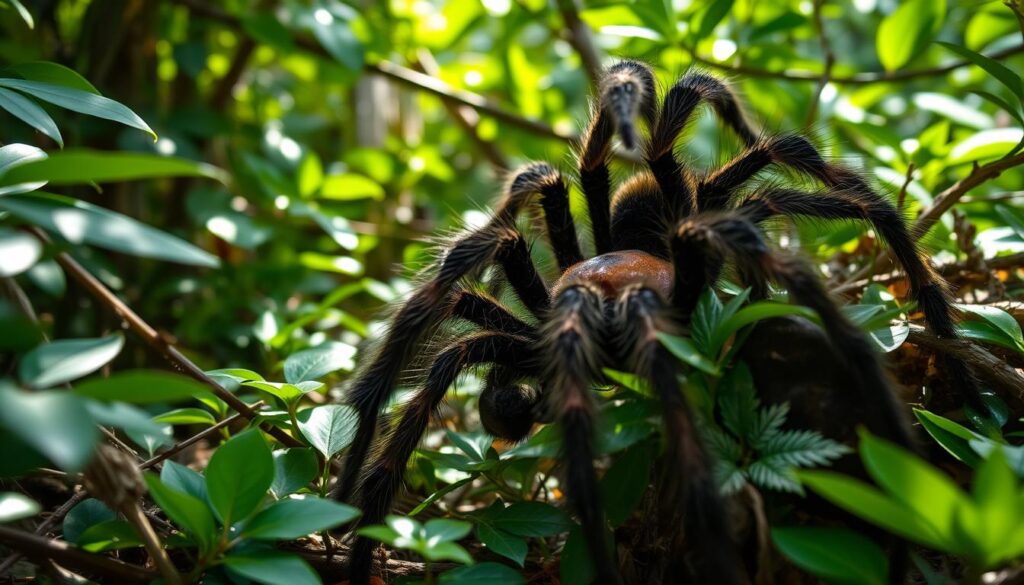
(664, 235)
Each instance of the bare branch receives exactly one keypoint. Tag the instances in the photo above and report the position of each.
(43, 549)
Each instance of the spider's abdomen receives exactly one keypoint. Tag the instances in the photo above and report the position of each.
(614, 272)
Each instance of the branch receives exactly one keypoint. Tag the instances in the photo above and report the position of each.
(992, 370)
(580, 39)
(43, 549)
(856, 78)
(949, 197)
(830, 60)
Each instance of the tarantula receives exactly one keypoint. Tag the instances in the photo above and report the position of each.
(663, 236)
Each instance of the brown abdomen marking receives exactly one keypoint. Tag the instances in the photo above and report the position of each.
(613, 272)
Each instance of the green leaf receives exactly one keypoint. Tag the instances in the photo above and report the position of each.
(28, 112)
(183, 479)
(476, 445)
(23, 13)
(482, 574)
(109, 535)
(890, 338)
(294, 469)
(310, 174)
(267, 29)
(999, 318)
(14, 155)
(872, 505)
(684, 349)
(625, 483)
(705, 321)
(239, 475)
(987, 145)
(133, 420)
(708, 18)
(996, 497)
(986, 332)
(188, 512)
(294, 518)
(762, 310)
(83, 166)
(186, 416)
(445, 530)
(737, 400)
(80, 101)
(315, 363)
(329, 428)
(83, 223)
(70, 433)
(446, 551)
(271, 567)
(289, 393)
(1001, 72)
(141, 387)
(85, 514)
(350, 187)
(836, 555)
(532, 519)
(501, 542)
(637, 384)
(1002, 104)
(18, 252)
(952, 437)
(55, 73)
(575, 567)
(906, 32)
(15, 506)
(64, 360)
(331, 25)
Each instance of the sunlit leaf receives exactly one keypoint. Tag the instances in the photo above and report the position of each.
(67, 359)
(28, 112)
(908, 30)
(79, 101)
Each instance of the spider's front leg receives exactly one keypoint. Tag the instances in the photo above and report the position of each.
(689, 492)
(382, 480)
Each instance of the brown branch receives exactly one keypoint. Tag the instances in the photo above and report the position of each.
(989, 368)
(43, 549)
(855, 79)
(157, 459)
(830, 60)
(950, 196)
(581, 40)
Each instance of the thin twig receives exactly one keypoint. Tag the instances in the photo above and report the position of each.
(581, 40)
(992, 370)
(43, 549)
(157, 459)
(830, 60)
(907, 180)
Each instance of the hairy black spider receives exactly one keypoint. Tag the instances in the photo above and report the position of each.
(663, 236)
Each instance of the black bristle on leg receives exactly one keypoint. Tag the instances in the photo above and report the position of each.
(596, 185)
(514, 257)
(640, 217)
(382, 480)
(488, 314)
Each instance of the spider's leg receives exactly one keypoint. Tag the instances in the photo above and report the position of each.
(554, 199)
(852, 198)
(382, 480)
(676, 112)
(744, 242)
(627, 89)
(488, 314)
(640, 218)
(572, 351)
(690, 491)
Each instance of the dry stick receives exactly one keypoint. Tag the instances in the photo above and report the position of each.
(946, 270)
(155, 340)
(157, 459)
(988, 367)
(855, 79)
(45, 527)
(830, 60)
(44, 549)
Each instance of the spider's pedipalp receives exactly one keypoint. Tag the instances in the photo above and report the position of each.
(689, 492)
(380, 483)
(571, 346)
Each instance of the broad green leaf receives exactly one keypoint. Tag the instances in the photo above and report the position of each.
(632, 382)
(23, 13)
(289, 393)
(952, 437)
(83, 223)
(266, 28)
(684, 349)
(19, 252)
(183, 479)
(482, 574)
(70, 433)
(837, 555)
(998, 318)
(995, 493)
(532, 519)
(476, 445)
(986, 332)
(707, 18)
(294, 469)
(289, 519)
(141, 387)
(907, 31)
(500, 542)
(438, 530)
(188, 512)
(67, 359)
(109, 535)
(310, 174)
(914, 482)
(890, 338)
(759, 311)
(871, 504)
(446, 551)
(315, 363)
(350, 187)
(79, 101)
(575, 567)
(329, 428)
(986, 145)
(14, 155)
(15, 506)
(186, 416)
(1001, 72)
(119, 415)
(271, 567)
(54, 73)
(28, 112)
(331, 24)
(239, 475)
(85, 514)
(83, 166)
(625, 483)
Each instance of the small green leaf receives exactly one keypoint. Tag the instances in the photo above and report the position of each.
(67, 359)
(28, 112)
(482, 574)
(70, 433)
(350, 187)
(329, 428)
(294, 518)
(239, 475)
(14, 155)
(109, 535)
(532, 519)
(294, 469)
(906, 32)
(83, 166)
(18, 252)
(837, 555)
(315, 363)
(289, 393)
(83, 223)
(501, 542)
(141, 387)
(998, 318)
(80, 101)
(186, 416)
(625, 483)
(684, 349)
(188, 512)
(708, 18)
(183, 479)
(86, 513)
(271, 567)
(15, 506)
(445, 530)
(952, 437)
